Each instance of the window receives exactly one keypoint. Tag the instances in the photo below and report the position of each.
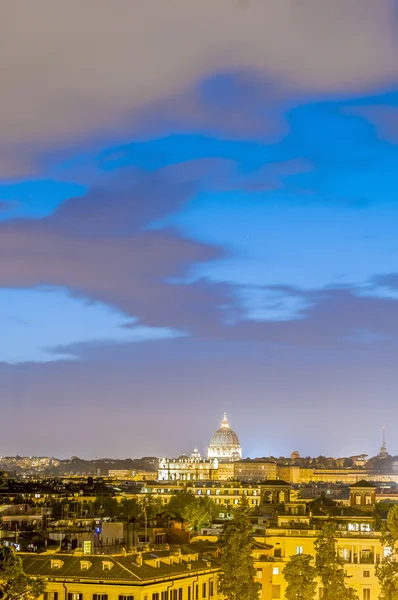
(203, 590)
(196, 592)
(211, 589)
(50, 595)
(174, 592)
(106, 565)
(259, 574)
(132, 597)
(277, 553)
(366, 594)
(299, 549)
(189, 593)
(165, 595)
(276, 591)
(358, 499)
(75, 596)
(365, 573)
(387, 551)
(368, 499)
(275, 571)
(56, 564)
(179, 593)
(100, 596)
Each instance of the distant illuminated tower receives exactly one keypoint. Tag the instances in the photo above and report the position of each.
(224, 443)
(383, 450)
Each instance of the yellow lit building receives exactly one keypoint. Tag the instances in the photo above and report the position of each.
(163, 575)
(358, 543)
(227, 494)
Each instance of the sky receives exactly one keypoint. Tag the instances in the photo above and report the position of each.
(198, 214)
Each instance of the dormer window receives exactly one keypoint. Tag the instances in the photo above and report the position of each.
(107, 565)
(85, 565)
(56, 564)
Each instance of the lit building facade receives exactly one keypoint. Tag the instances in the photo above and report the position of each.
(163, 575)
(224, 443)
(187, 468)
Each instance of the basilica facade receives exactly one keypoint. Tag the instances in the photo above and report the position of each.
(224, 446)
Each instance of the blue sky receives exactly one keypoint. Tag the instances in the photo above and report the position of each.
(232, 214)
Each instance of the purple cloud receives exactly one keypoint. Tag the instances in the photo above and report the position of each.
(151, 52)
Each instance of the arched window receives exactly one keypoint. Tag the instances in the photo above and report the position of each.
(368, 499)
(267, 496)
(358, 498)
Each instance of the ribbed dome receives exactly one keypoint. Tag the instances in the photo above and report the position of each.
(224, 436)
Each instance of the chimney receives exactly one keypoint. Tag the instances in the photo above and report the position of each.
(138, 559)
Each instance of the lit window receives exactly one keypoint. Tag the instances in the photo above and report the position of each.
(299, 549)
(259, 574)
(387, 551)
(275, 571)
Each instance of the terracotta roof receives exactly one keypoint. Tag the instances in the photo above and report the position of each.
(363, 484)
(275, 482)
(125, 568)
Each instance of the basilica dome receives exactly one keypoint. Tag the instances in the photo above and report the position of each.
(224, 443)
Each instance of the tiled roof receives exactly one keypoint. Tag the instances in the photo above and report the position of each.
(125, 567)
(362, 484)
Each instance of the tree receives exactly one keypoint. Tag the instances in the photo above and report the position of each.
(387, 570)
(14, 584)
(330, 568)
(301, 578)
(197, 512)
(237, 568)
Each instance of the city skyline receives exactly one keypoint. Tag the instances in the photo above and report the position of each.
(198, 214)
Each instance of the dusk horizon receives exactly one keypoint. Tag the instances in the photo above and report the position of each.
(198, 215)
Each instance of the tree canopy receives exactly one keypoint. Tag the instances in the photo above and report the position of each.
(330, 568)
(197, 512)
(237, 568)
(14, 584)
(300, 576)
(387, 570)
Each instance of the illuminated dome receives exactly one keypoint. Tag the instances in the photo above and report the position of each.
(224, 443)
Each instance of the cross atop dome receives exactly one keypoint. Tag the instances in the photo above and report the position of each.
(224, 422)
